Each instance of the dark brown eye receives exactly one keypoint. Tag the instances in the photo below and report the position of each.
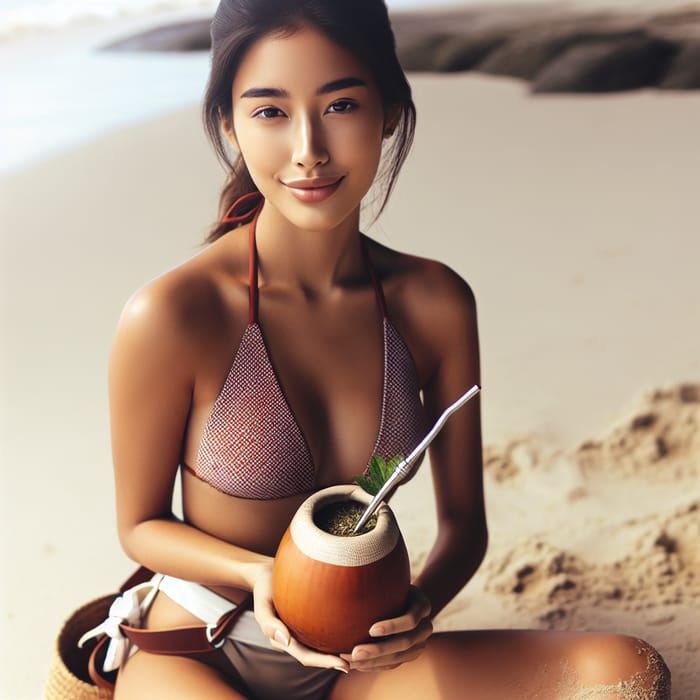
(268, 113)
(342, 107)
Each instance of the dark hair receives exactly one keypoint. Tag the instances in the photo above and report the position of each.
(359, 26)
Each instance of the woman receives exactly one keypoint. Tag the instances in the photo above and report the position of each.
(283, 356)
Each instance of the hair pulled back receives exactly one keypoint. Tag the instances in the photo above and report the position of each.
(360, 26)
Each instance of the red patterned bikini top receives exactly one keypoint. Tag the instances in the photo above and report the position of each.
(252, 445)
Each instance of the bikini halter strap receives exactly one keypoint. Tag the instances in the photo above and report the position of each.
(253, 268)
(250, 206)
(244, 209)
(378, 290)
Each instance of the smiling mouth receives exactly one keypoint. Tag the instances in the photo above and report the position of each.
(313, 190)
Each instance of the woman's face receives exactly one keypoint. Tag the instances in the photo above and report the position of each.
(308, 121)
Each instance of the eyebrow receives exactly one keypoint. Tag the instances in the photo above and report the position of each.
(333, 86)
(340, 84)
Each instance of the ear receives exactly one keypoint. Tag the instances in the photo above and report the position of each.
(227, 127)
(391, 121)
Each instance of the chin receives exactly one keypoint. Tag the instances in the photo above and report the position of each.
(322, 217)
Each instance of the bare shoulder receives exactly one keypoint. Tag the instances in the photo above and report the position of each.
(424, 290)
(434, 309)
(183, 309)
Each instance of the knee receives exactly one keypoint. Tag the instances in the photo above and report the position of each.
(618, 660)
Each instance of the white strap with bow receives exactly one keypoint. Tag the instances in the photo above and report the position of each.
(128, 608)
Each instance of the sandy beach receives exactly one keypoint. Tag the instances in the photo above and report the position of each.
(575, 220)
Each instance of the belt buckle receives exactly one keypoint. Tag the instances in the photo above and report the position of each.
(210, 632)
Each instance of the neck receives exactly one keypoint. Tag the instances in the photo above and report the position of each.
(315, 262)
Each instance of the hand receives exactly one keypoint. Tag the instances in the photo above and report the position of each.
(402, 638)
(278, 633)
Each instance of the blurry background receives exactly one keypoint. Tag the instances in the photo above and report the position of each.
(556, 168)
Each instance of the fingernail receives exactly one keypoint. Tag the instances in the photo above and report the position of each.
(360, 655)
(340, 668)
(376, 632)
(281, 638)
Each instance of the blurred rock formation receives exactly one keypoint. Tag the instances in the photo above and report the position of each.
(553, 48)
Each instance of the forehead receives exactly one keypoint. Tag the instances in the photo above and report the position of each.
(297, 62)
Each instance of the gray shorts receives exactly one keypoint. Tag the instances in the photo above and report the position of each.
(272, 675)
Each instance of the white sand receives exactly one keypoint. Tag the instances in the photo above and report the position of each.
(576, 222)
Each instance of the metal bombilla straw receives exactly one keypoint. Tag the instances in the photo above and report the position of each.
(403, 468)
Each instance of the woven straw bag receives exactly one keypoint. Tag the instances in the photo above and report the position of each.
(69, 678)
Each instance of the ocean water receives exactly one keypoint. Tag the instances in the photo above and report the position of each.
(56, 102)
(57, 92)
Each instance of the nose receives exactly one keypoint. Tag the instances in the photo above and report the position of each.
(310, 148)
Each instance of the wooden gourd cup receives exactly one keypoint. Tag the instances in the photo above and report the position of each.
(330, 589)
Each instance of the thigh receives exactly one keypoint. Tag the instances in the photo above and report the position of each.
(155, 676)
(518, 664)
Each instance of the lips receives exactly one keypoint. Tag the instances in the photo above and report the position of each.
(313, 190)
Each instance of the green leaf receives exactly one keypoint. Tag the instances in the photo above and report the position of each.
(393, 463)
(377, 470)
(367, 484)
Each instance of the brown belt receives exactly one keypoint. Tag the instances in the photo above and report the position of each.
(189, 639)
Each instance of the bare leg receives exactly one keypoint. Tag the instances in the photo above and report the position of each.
(519, 665)
(151, 676)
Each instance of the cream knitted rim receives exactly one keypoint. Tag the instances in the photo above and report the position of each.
(359, 550)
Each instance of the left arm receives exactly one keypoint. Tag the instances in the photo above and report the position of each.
(455, 457)
(445, 317)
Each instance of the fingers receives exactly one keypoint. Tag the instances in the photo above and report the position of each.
(419, 608)
(390, 651)
(309, 657)
(280, 638)
(263, 609)
(398, 640)
(278, 633)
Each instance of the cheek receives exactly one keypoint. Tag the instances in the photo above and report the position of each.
(261, 148)
(359, 144)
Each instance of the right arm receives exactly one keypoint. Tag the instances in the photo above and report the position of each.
(151, 380)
